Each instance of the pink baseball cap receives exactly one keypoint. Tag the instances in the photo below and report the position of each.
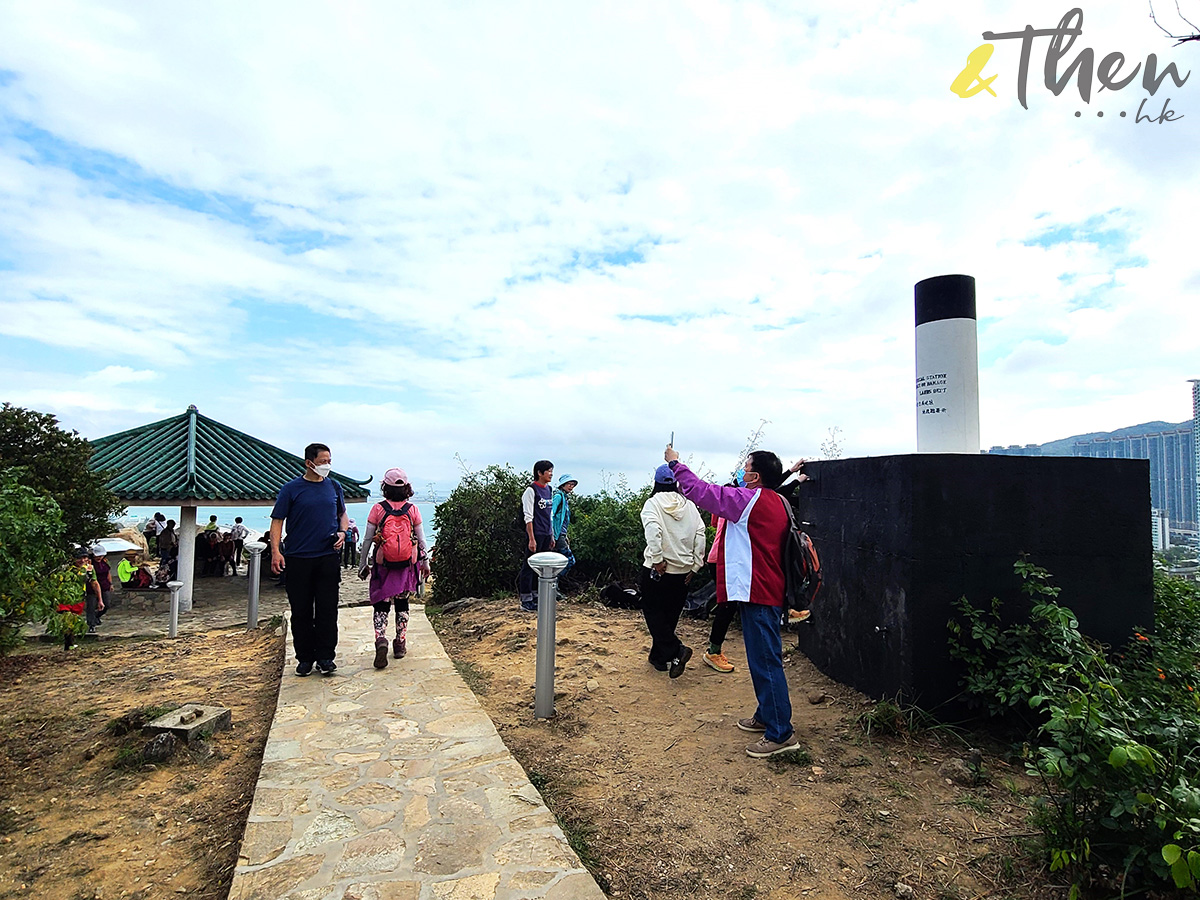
(395, 476)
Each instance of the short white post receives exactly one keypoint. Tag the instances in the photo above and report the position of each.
(173, 627)
(547, 565)
(256, 549)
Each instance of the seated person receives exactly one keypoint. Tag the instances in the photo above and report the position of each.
(213, 563)
(133, 577)
(227, 558)
(162, 575)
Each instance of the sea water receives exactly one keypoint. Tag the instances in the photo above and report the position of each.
(258, 518)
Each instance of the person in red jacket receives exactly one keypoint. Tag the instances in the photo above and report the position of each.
(750, 572)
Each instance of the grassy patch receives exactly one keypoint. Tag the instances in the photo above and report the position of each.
(477, 679)
(801, 756)
(971, 801)
(578, 830)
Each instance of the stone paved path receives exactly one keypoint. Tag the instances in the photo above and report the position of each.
(394, 785)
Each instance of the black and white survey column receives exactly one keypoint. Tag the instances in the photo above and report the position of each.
(947, 365)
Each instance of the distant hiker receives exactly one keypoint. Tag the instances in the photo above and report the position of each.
(103, 578)
(350, 548)
(314, 509)
(150, 533)
(168, 541)
(750, 573)
(560, 519)
(239, 532)
(394, 552)
(536, 503)
(212, 524)
(674, 553)
(160, 523)
(93, 599)
(89, 600)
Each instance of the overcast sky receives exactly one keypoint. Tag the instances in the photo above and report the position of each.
(510, 231)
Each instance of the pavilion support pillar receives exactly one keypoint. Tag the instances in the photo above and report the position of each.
(187, 555)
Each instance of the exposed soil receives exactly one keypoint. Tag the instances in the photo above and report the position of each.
(651, 782)
(81, 816)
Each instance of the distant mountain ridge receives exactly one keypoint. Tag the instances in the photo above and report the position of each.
(1064, 446)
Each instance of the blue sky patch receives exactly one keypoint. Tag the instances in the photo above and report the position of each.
(119, 178)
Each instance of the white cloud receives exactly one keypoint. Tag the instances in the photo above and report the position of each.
(431, 217)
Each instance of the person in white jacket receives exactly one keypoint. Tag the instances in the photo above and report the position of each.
(674, 553)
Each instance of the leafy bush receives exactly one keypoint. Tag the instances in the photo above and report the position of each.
(34, 574)
(478, 550)
(606, 534)
(55, 463)
(1114, 740)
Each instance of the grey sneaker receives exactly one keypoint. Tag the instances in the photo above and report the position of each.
(762, 748)
(679, 663)
(751, 725)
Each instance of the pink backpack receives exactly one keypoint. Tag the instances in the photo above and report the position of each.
(396, 537)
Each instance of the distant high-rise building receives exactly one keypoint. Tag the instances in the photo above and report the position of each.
(1172, 455)
(1160, 530)
(1196, 451)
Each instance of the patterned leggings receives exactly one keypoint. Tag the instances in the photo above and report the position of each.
(381, 615)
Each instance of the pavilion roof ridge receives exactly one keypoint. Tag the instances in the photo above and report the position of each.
(192, 457)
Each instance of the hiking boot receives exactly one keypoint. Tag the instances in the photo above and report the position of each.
(326, 666)
(381, 653)
(798, 615)
(400, 647)
(718, 661)
(304, 668)
(751, 725)
(762, 748)
(679, 663)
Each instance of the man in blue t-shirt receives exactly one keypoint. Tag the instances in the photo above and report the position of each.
(314, 509)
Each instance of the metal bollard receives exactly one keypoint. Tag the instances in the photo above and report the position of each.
(547, 565)
(256, 549)
(173, 626)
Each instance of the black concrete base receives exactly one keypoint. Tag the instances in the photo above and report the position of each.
(902, 537)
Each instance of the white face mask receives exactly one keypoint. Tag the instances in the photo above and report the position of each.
(323, 471)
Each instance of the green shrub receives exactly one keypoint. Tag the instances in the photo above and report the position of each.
(1114, 740)
(478, 550)
(606, 534)
(34, 575)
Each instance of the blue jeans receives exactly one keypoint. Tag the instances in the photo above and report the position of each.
(564, 548)
(764, 657)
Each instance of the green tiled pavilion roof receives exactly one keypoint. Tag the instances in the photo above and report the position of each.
(193, 457)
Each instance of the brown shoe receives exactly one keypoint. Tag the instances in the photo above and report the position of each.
(762, 748)
(751, 725)
(381, 649)
(399, 647)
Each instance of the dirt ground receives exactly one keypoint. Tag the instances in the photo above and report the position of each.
(651, 782)
(647, 775)
(81, 816)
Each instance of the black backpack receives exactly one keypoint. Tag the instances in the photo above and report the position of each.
(801, 566)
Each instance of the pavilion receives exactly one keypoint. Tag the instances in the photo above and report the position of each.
(191, 460)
